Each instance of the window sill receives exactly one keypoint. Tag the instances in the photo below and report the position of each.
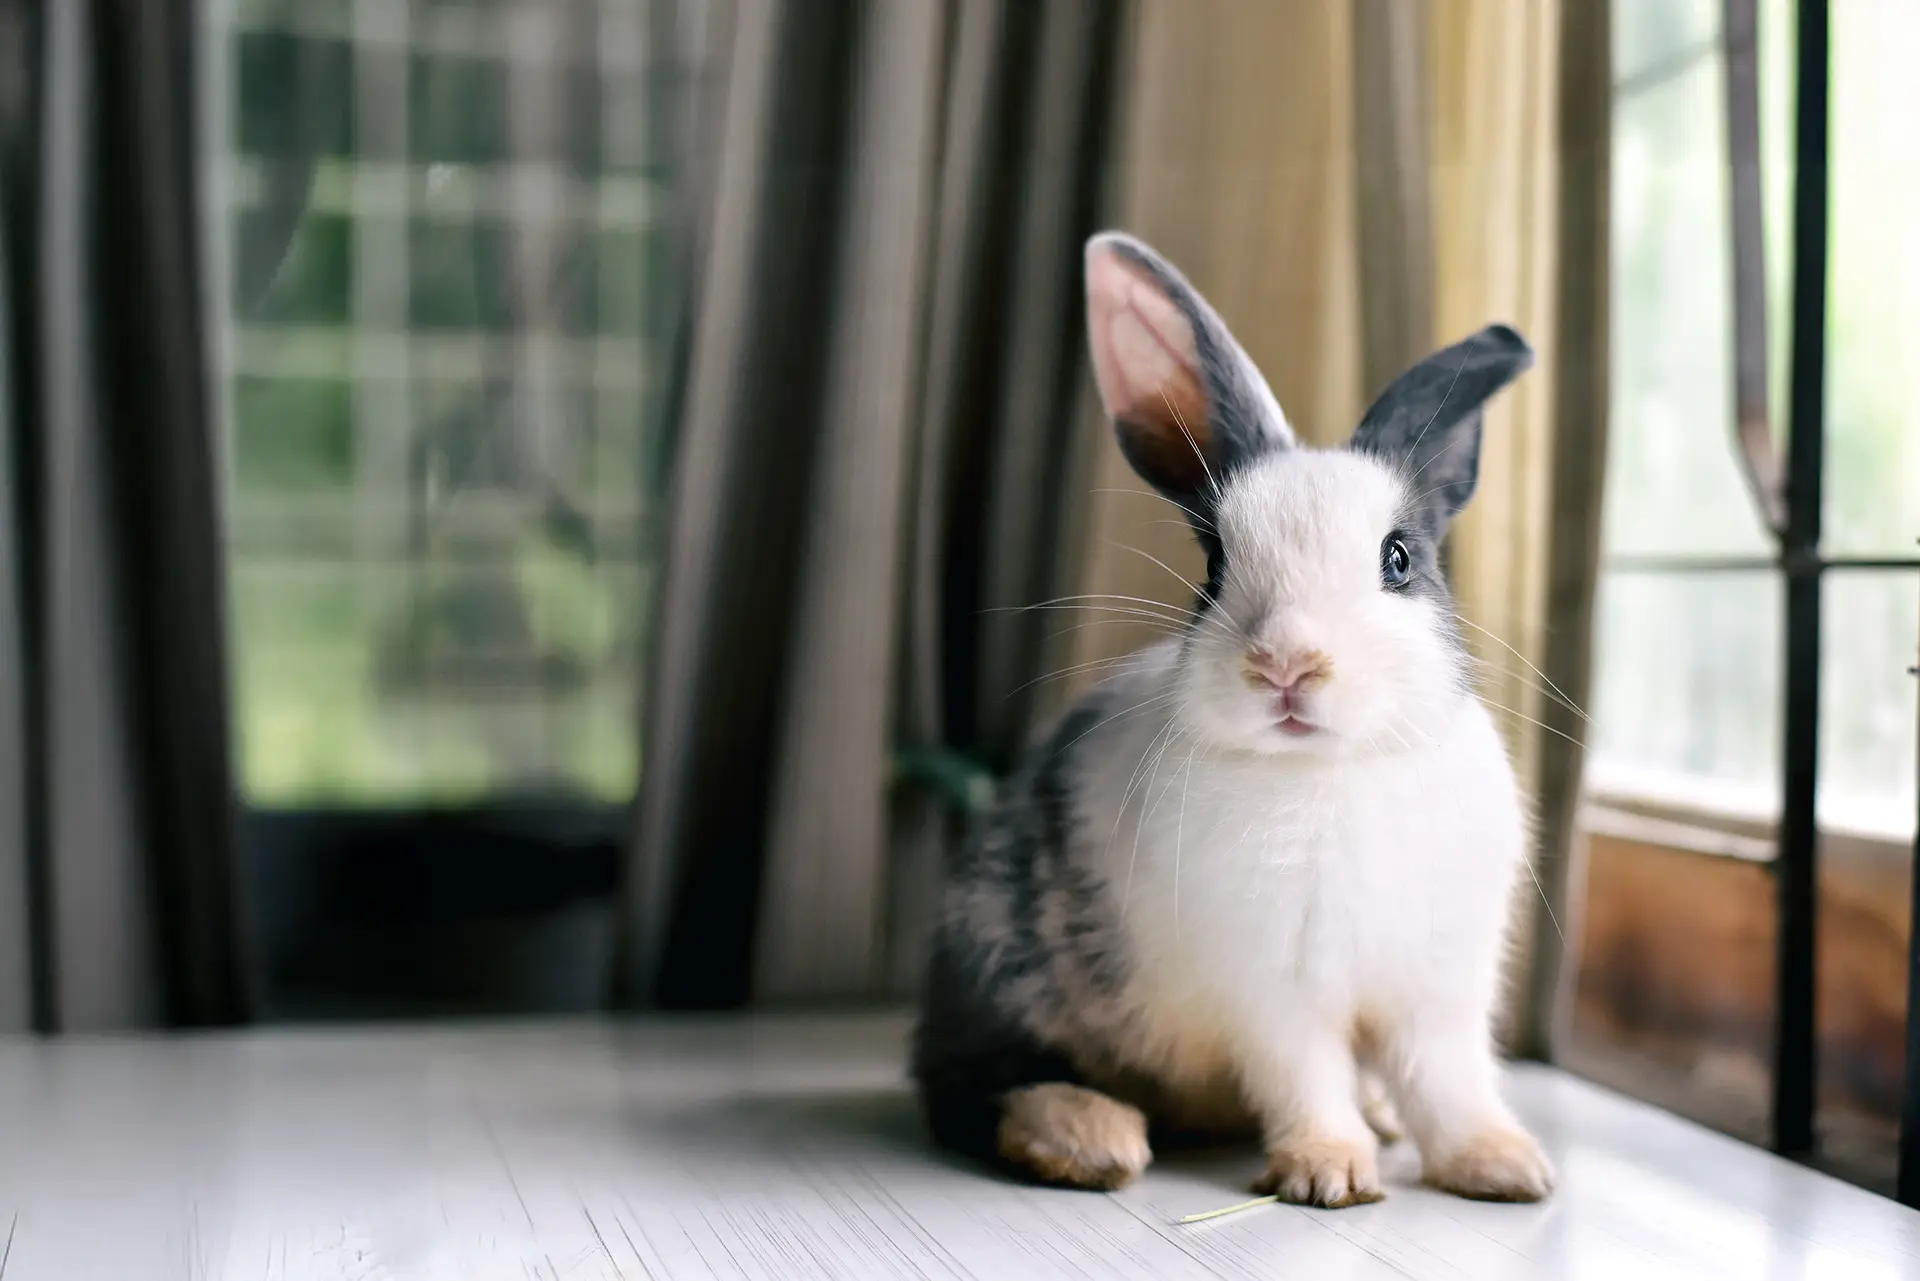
(1670, 820)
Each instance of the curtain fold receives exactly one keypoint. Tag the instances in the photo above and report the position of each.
(1582, 343)
(921, 820)
(880, 421)
(16, 932)
(1393, 161)
(746, 430)
(119, 732)
(1495, 169)
(820, 922)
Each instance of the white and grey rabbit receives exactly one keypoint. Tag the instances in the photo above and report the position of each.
(1268, 868)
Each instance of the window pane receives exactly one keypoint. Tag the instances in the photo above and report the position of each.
(1686, 703)
(1873, 389)
(447, 285)
(1867, 703)
(1652, 37)
(1673, 480)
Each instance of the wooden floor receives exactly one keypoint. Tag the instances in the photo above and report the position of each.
(783, 1149)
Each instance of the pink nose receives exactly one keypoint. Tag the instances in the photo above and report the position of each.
(1288, 675)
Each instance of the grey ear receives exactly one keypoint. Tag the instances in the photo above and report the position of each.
(1187, 404)
(1427, 423)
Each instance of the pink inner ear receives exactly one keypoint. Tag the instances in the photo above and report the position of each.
(1144, 357)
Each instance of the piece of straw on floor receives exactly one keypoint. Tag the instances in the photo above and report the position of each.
(1229, 1209)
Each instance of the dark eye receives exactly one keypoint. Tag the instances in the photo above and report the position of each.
(1396, 562)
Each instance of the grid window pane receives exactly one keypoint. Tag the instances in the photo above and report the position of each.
(1685, 704)
(1873, 386)
(1868, 720)
(460, 276)
(292, 434)
(1652, 36)
(305, 280)
(457, 111)
(1673, 480)
(447, 281)
(272, 69)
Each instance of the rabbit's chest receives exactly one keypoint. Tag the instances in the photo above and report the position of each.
(1348, 885)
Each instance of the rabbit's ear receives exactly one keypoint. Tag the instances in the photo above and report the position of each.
(1426, 424)
(1187, 404)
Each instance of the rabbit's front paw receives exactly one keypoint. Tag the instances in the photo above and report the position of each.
(1318, 1169)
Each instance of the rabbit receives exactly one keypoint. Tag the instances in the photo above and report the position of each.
(1261, 878)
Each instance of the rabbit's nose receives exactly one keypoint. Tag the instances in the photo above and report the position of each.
(1288, 674)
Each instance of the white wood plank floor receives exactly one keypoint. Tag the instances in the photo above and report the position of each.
(779, 1148)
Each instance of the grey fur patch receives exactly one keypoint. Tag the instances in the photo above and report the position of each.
(1027, 938)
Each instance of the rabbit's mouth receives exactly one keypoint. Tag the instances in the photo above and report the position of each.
(1293, 726)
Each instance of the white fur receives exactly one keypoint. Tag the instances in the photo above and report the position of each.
(1282, 892)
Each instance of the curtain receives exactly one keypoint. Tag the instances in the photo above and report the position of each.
(882, 432)
(117, 874)
(1521, 111)
(1354, 184)
(1582, 343)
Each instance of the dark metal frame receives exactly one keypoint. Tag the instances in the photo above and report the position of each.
(1795, 1031)
(1909, 1182)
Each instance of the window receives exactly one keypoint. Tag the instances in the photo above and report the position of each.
(1678, 998)
(1687, 703)
(442, 342)
(448, 289)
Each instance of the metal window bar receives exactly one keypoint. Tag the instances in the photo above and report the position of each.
(1909, 1178)
(1796, 870)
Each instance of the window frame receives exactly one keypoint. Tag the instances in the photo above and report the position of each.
(1790, 494)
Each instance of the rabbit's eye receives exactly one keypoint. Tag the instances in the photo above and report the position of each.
(1396, 562)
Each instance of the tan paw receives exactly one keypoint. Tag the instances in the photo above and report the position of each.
(1381, 1116)
(1322, 1171)
(1503, 1164)
(1073, 1136)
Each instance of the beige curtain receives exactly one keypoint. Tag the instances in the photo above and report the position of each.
(878, 465)
(1494, 164)
(1353, 183)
